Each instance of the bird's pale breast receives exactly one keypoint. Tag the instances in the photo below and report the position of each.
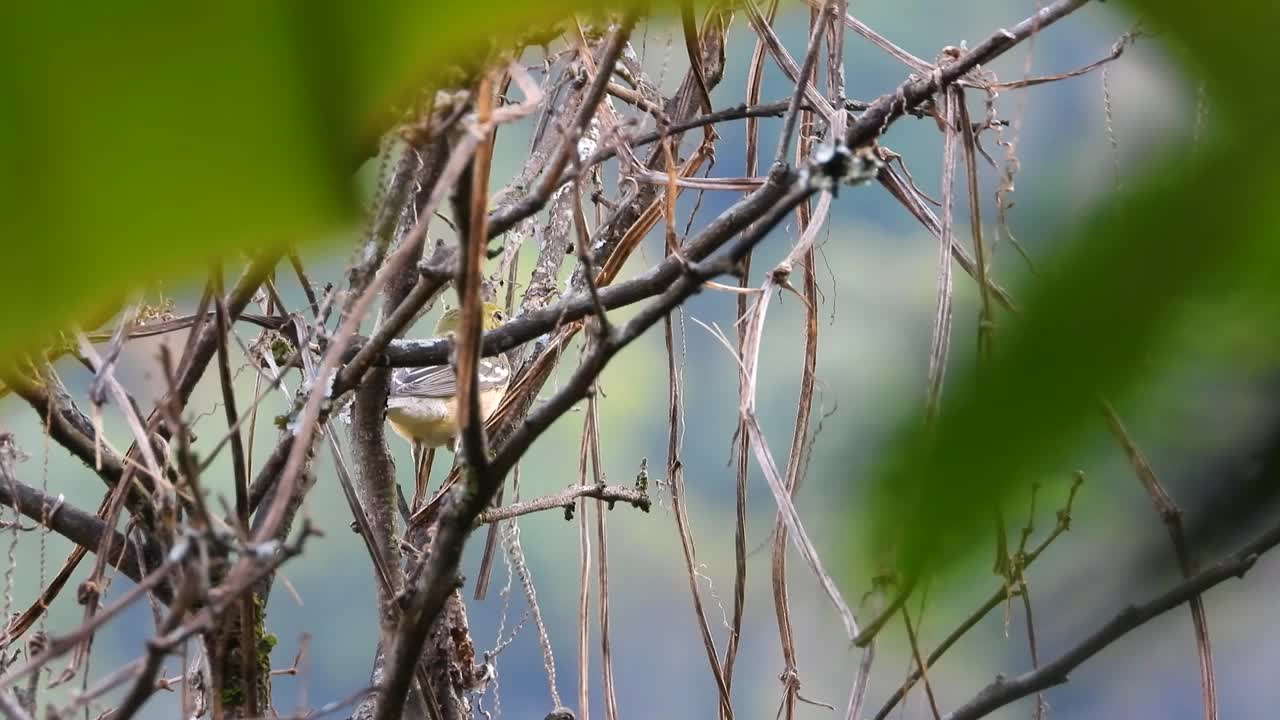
(433, 421)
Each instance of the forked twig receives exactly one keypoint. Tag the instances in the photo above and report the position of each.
(999, 595)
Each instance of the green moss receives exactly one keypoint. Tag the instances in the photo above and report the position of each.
(266, 643)
(233, 694)
(281, 349)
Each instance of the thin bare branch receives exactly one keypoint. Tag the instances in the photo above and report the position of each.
(1117, 50)
(804, 406)
(1171, 515)
(889, 107)
(883, 43)
(239, 468)
(986, 315)
(940, 342)
(741, 438)
(1006, 690)
(145, 684)
(787, 63)
(679, 503)
(920, 664)
(905, 194)
(602, 566)
(565, 500)
(467, 283)
(506, 218)
(804, 79)
(999, 595)
(584, 579)
(10, 707)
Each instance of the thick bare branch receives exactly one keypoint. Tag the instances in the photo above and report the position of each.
(82, 528)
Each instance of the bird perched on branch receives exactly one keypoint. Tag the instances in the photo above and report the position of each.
(422, 405)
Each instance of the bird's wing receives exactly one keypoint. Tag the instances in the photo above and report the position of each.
(439, 381)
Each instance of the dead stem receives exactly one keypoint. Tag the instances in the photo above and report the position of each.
(1171, 515)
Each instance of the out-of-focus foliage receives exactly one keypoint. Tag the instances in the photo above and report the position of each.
(1202, 225)
(140, 140)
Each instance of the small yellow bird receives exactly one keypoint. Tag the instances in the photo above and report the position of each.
(422, 406)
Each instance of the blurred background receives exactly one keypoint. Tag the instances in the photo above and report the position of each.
(876, 275)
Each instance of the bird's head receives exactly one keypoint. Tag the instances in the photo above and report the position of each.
(492, 317)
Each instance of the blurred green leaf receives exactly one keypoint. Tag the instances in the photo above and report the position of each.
(140, 139)
(1200, 224)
